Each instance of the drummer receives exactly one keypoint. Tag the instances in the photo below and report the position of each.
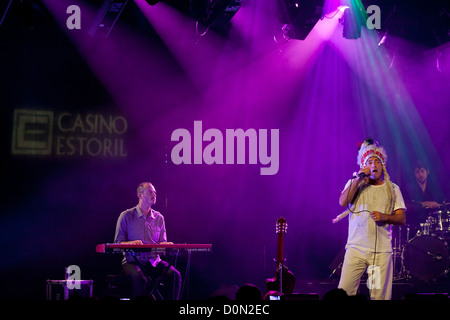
(420, 199)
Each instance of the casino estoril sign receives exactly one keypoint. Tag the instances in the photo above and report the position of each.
(68, 134)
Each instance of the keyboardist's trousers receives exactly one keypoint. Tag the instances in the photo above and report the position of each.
(143, 280)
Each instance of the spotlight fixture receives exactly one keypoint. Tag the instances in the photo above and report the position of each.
(351, 20)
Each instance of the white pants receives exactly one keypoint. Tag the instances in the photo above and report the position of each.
(380, 273)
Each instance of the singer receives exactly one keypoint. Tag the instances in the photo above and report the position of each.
(373, 204)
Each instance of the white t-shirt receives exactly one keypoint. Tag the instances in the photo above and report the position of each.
(362, 229)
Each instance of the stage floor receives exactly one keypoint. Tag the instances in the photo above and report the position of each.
(401, 289)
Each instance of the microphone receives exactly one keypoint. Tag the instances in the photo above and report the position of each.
(362, 174)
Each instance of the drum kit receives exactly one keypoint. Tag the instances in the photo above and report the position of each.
(422, 252)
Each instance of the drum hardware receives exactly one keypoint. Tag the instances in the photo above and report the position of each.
(426, 258)
(437, 257)
(401, 236)
(425, 228)
(440, 222)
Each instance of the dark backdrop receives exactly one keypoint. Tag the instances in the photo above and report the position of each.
(324, 96)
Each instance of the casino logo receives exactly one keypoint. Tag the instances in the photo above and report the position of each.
(67, 134)
(32, 132)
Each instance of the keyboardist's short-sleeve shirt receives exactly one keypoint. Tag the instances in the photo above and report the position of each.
(133, 225)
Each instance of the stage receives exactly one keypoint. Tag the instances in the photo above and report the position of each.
(239, 114)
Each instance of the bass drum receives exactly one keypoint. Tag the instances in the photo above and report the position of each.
(426, 258)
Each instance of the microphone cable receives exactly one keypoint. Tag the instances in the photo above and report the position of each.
(376, 228)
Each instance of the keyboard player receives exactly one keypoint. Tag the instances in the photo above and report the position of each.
(140, 225)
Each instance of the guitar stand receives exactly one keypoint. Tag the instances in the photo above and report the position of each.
(280, 274)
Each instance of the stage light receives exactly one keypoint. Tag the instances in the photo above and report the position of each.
(352, 25)
(299, 18)
(383, 39)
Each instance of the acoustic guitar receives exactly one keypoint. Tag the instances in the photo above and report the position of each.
(284, 280)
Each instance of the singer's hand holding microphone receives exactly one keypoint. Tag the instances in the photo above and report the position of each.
(364, 172)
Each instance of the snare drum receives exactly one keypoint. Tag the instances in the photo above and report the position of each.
(426, 258)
